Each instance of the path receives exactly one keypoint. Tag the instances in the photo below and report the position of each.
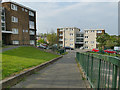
(8, 48)
(64, 73)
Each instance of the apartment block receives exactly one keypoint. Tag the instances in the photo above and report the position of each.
(18, 24)
(90, 36)
(70, 37)
(0, 23)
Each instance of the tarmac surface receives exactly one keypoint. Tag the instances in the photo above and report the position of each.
(64, 73)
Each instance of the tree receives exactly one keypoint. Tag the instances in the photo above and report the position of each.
(111, 42)
(102, 39)
(42, 41)
(52, 38)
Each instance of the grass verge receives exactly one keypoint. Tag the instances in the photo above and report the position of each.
(106, 54)
(18, 59)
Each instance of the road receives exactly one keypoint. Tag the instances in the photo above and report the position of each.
(64, 73)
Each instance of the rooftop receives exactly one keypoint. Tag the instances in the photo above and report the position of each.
(6, 1)
(68, 27)
(93, 29)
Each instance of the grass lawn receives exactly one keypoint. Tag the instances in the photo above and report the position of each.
(18, 59)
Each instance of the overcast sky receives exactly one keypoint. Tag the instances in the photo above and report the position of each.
(83, 15)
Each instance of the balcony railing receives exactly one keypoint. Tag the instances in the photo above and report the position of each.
(61, 35)
(60, 39)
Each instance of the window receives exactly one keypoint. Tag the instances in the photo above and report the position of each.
(22, 9)
(92, 31)
(32, 42)
(71, 34)
(71, 44)
(3, 18)
(14, 19)
(71, 40)
(26, 30)
(31, 25)
(66, 28)
(86, 41)
(3, 24)
(13, 7)
(26, 10)
(86, 47)
(86, 36)
(61, 45)
(31, 13)
(3, 28)
(15, 42)
(32, 32)
(15, 31)
(79, 40)
(92, 41)
(81, 35)
(86, 31)
(99, 31)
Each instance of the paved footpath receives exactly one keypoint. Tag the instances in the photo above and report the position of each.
(64, 73)
(8, 48)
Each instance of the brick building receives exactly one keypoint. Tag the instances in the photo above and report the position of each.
(18, 24)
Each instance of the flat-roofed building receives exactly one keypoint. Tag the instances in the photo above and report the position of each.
(70, 37)
(90, 36)
(18, 24)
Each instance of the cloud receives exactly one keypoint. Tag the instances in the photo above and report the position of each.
(64, 0)
(84, 14)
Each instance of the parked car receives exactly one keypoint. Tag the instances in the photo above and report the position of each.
(69, 48)
(110, 51)
(42, 46)
(95, 50)
(81, 47)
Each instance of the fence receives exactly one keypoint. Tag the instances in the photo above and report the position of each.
(101, 71)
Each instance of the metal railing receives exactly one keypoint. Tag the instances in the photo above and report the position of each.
(101, 71)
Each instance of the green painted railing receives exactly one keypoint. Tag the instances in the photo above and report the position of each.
(101, 71)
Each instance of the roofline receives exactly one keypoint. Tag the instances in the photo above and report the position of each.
(19, 5)
(68, 27)
(93, 29)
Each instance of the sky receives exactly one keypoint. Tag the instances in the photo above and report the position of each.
(83, 15)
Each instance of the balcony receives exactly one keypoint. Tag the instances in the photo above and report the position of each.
(32, 32)
(60, 39)
(60, 34)
(61, 45)
(79, 42)
(61, 30)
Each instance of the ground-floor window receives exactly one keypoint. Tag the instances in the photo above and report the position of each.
(15, 42)
(32, 42)
(86, 47)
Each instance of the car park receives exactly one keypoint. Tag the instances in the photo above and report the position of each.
(69, 48)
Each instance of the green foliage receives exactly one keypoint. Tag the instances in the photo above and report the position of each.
(52, 38)
(111, 42)
(105, 40)
(42, 41)
(102, 39)
(18, 59)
